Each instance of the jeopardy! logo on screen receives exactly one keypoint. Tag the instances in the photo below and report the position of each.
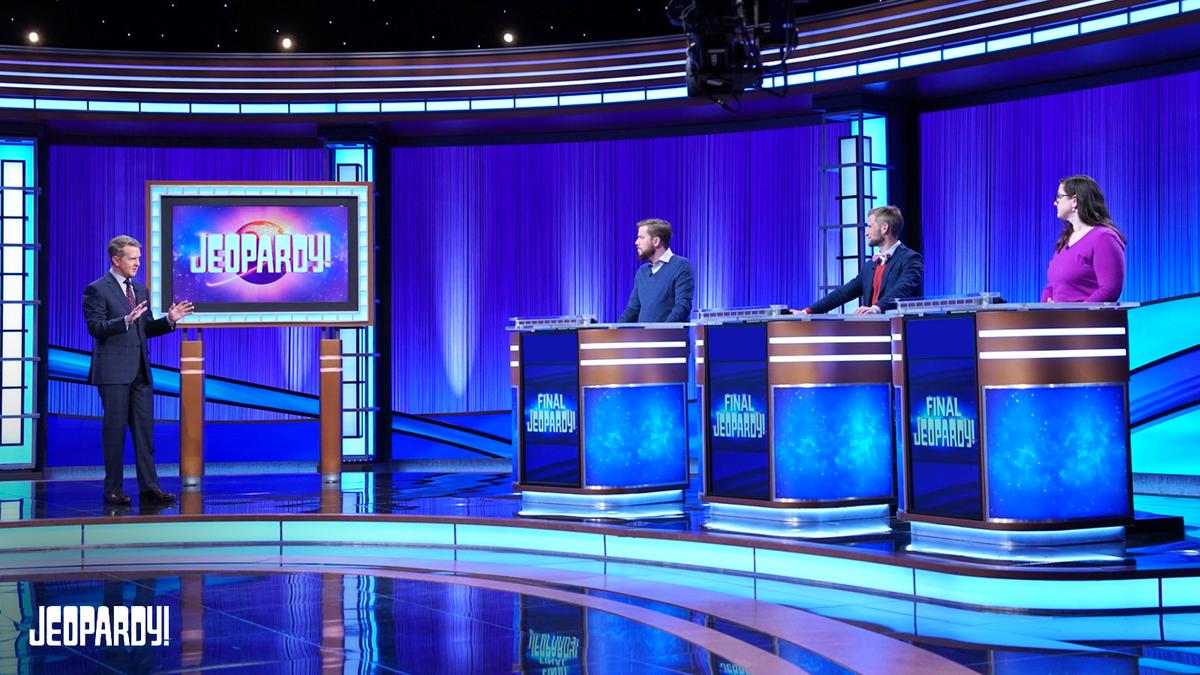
(261, 252)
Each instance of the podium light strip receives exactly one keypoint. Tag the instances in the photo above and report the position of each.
(514, 348)
(514, 364)
(633, 345)
(1051, 332)
(897, 337)
(827, 339)
(1053, 354)
(819, 358)
(634, 362)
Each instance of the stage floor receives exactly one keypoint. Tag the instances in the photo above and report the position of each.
(508, 592)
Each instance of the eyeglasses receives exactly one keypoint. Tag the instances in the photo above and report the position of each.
(1060, 196)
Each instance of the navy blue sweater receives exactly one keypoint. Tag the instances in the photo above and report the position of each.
(665, 297)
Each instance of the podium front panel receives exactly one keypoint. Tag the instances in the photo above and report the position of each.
(1016, 418)
(549, 402)
(601, 409)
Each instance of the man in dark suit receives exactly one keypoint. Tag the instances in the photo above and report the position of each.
(662, 288)
(114, 307)
(896, 271)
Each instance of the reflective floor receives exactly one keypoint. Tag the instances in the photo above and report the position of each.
(491, 496)
(528, 614)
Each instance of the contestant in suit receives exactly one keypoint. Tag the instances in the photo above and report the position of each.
(114, 307)
(662, 288)
(896, 271)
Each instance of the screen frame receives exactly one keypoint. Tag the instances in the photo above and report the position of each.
(358, 311)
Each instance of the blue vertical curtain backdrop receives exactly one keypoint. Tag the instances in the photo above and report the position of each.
(989, 174)
(97, 193)
(484, 233)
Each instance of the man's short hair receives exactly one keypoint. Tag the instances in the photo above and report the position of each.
(116, 247)
(889, 215)
(657, 227)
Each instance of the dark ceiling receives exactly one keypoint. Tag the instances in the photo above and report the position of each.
(230, 26)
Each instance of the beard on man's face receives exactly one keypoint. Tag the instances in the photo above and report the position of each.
(644, 253)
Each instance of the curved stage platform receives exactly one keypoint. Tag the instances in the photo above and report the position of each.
(865, 602)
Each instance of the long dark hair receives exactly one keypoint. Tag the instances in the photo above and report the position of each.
(1092, 208)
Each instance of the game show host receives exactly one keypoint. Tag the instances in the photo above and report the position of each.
(662, 288)
(1088, 264)
(896, 271)
(114, 307)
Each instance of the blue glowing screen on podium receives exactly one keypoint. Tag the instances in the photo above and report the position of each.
(635, 435)
(1056, 453)
(833, 442)
(738, 447)
(550, 408)
(943, 418)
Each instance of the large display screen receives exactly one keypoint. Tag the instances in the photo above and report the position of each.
(1057, 452)
(943, 417)
(279, 254)
(738, 445)
(636, 435)
(833, 442)
(550, 453)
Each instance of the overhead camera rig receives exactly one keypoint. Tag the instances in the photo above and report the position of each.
(726, 39)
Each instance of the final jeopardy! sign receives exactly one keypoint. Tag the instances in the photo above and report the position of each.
(549, 423)
(943, 409)
(738, 448)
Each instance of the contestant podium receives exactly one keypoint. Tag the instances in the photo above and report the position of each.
(600, 417)
(1014, 420)
(797, 422)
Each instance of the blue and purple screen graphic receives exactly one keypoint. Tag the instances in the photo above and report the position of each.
(234, 253)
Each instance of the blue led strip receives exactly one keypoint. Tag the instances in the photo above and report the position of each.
(910, 53)
(18, 303)
(355, 162)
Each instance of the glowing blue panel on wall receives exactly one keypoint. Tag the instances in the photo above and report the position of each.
(1161, 329)
(736, 359)
(635, 435)
(1155, 447)
(550, 408)
(832, 442)
(18, 295)
(1057, 453)
(355, 162)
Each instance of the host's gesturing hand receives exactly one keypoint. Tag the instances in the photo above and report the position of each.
(179, 310)
(135, 313)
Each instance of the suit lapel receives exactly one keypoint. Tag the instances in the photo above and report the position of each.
(115, 288)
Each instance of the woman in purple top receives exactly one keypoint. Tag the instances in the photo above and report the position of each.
(1089, 258)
